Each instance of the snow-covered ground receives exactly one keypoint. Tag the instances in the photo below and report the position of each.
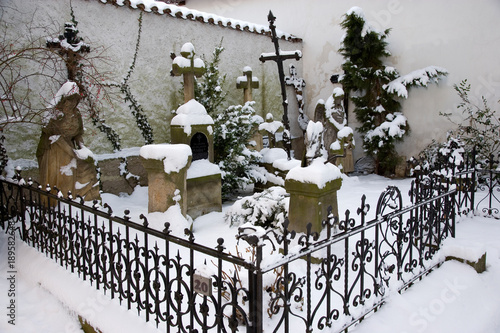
(453, 298)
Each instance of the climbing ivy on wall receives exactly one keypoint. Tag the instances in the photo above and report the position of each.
(134, 106)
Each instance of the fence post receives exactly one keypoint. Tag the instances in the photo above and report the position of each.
(473, 181)
(255, 286)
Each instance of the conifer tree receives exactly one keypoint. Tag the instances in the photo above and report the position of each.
(376, 89)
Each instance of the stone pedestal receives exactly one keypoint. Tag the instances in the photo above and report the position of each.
(204, 191)
(312, 190)
(167, 167)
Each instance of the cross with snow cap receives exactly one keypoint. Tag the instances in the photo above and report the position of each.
(190, 67)
(247, 82)
(70, 46)
(279, 56)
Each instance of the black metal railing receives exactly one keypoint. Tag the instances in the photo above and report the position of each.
(305, 282)
(350, 271)
(159, 275)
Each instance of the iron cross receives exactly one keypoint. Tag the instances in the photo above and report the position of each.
(279, 56)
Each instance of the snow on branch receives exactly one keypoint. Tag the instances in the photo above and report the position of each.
(420, 77)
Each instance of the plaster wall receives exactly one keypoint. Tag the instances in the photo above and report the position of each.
(461, 36)
(113, 31)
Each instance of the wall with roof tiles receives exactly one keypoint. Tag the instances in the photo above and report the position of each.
(111, 28)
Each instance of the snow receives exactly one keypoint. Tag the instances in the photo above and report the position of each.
(270, 125)
(67, 89)
(269, 155)
(420, 77)
(84, 153)
(202, 168)
(67, 169)
(54, 138)
(174, 156)
(188, 48)
(195, 15)
(191, 113)
(453, 298)
(318, 173)
(391, 127)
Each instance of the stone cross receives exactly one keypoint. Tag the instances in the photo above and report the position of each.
(279, 56)
(247, 82)
(190, 67)
(70, 47)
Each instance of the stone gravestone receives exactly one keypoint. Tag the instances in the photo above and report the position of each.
(189, 67)
(192, 125)
(313, 187)
(167, 166)
(247, 82)
(272, 130)
(64, 161)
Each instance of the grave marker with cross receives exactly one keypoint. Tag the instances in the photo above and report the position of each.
(70, 47)
(247, 82)
(279, 56)
(189, 67)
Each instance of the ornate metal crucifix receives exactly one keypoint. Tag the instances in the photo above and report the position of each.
(279, 56)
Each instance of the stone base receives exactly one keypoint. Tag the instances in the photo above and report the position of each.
(204, 195)
(479, 265)
(115, 183)
(309, 204)
(165, 189)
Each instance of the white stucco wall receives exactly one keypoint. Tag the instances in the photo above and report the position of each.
(113, 30)
(461, 35)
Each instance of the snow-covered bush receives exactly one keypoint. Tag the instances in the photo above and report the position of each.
(267, 209)
(233, 131)
(440, 158)
(480, 127)
(376, 89)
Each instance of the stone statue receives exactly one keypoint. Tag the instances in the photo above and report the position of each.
(338, 137)
(63, 160)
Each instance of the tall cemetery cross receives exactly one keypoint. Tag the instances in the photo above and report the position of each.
(279, 57)
(70, 46)
(247, 82)
(188, 66)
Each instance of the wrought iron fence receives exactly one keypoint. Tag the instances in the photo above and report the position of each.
(305, 282)
(159, 275)
(350, 271)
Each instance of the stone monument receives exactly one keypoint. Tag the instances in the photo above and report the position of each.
(338, 137)
(193, 126)
(313, 187)
(272, 132)
(167, 166)
(247, 82)
(64, 161)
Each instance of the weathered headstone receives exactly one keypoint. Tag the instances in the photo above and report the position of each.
(272, 130)
(167, 166)
(64, 161)
(312, 190)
